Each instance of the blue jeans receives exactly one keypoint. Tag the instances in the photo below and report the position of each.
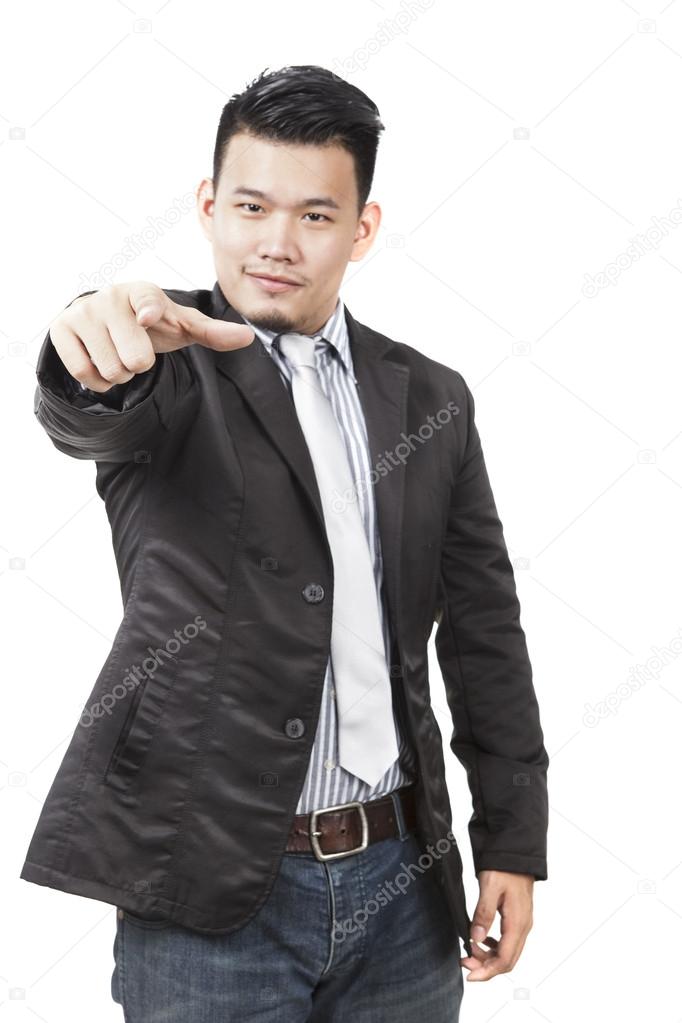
(321, 949)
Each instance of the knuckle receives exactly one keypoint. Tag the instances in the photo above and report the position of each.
(115, 372)
(59, 327)
(82, 371)
(172, 322)
(143, 290)
(139, 362)
(85, 313)
(174, 329)
(94, 385)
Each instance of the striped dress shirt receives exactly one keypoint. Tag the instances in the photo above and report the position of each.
(326, 782)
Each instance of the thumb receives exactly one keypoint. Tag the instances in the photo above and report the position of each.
(211, 333)
(483, 918)
(147, 302)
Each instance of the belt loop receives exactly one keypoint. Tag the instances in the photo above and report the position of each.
(397, 805)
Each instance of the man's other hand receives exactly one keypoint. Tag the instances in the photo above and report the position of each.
(512, 895)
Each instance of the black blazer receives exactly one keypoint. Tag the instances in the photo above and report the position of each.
(176, 794)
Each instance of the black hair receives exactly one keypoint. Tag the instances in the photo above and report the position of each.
(305, 104)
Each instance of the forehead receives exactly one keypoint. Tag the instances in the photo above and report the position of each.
(289, 174)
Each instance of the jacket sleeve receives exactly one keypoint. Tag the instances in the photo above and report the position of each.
(117, 425)
(482, 653)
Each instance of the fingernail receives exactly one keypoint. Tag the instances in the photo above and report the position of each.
(478, 933)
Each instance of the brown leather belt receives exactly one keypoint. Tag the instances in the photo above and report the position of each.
(346, 828)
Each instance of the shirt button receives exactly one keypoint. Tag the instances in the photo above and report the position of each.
(332, 691)
(294, 728)
(329, 764)
(313, 593)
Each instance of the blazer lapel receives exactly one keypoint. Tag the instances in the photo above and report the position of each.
(382, 390)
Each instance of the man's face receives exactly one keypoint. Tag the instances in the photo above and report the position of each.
(261, 220)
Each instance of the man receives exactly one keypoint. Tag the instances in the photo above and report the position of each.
(294, 500)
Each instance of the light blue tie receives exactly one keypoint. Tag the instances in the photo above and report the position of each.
(368, 743)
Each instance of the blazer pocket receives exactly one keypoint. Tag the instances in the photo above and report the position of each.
(145, 711)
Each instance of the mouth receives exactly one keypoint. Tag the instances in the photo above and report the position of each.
(273, 284)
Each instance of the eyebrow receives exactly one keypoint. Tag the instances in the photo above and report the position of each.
(317, 200)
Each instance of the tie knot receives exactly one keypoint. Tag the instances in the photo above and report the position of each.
(299, 349)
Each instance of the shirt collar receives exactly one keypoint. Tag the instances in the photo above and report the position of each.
(335, 331)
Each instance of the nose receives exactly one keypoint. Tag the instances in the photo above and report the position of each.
(277, 243)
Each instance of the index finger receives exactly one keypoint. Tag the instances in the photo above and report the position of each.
(212, 333)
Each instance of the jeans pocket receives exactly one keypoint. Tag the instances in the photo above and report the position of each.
(147, 923)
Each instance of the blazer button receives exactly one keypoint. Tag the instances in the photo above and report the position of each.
(294, 728)
(313, 593)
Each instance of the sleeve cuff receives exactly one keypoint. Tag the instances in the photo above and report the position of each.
(55, 378)
(513, 863)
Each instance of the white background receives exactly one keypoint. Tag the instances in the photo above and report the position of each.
(526, 145)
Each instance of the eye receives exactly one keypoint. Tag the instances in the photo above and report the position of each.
(256, 206)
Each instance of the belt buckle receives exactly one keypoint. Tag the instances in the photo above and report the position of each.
(314, 835)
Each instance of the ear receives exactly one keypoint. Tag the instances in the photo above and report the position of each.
(366, 230)
(205, 200)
